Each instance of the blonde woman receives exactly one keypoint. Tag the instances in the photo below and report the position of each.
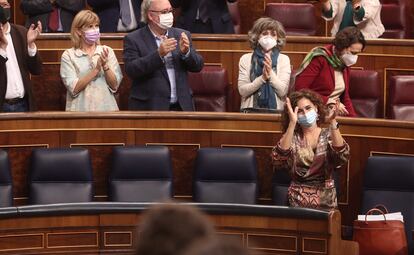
(89, 71)
(264, 74)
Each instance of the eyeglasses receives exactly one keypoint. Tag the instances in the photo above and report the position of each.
(163, 11)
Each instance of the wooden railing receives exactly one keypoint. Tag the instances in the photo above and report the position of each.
(111, 228)
(387, 57)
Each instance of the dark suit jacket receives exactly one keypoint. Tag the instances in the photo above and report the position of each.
(218, 12)
(39, 10)
(151, 87)
(108, 12)
(28, 65)
(319, 76)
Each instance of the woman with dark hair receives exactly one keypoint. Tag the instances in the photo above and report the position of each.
(264, 74)
(325, 70)
(309, 152)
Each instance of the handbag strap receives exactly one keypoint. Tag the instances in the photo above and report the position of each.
(374, 210)
(379, 206)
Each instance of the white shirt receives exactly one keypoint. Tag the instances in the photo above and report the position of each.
(15, 87)
(169, 65)
(134, 23)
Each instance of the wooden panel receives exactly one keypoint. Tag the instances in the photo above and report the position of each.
(13, 242)
(267, 242)
(72, 240)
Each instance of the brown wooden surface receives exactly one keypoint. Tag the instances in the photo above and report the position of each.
(116, 233)
(184, 133)
(387, 57)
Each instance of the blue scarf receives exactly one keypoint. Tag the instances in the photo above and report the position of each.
(265, 96)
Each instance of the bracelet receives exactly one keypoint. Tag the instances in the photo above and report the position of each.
(335, 126)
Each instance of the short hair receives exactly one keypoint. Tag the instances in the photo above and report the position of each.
(145, 6)
(170, 229)
(348, 36)
(83, 18)
(263, 24)
(312, 96)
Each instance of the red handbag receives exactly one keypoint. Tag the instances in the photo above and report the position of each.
(380, 237)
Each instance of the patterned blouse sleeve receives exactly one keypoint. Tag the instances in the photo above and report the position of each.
(338, 155)
(281, 158)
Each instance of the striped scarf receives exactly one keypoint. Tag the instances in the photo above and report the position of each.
(332, 59)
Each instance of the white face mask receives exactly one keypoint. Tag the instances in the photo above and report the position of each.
(349, 59)
(267, 42)
(166, 20)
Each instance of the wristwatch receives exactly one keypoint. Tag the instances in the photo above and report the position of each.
(335, 125)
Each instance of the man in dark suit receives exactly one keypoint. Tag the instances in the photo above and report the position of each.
(157, 57)
(118, 15)
(204, 16)
(55, 15)
(18, 59)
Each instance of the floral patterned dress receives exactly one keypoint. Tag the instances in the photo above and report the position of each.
(311, 170)
(98, 95)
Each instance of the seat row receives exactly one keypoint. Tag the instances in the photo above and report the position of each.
(222, 175)
(138, 174)
(395, 16)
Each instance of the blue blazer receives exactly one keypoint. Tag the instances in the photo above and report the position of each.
(151, 87)
(108, 12)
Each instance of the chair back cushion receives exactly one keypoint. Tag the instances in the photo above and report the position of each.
(396, 18)
(297, 18)
(235, 16)
(225, 175)
(140, 174)
(365, 92)
(6, 191)
(60, 176)
(401, 99)
(210, 89)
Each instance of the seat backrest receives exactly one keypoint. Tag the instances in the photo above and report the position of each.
(280, 184)
(401, 97)
(62, 175)
(396, 18)
(210, 89)
(235, 16)
(389, 180)
(365, 92)
(225, 175)
(297, 18)
(140, 174)
(6, 190)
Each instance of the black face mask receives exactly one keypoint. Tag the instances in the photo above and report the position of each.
(4, 15)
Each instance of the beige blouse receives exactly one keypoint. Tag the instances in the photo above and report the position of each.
(279, 81)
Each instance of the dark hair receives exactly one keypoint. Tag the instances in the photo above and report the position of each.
(312, 96)
(170, 229)
(348, 36)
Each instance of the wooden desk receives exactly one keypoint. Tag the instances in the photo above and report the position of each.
(111, 228)
(387, 57)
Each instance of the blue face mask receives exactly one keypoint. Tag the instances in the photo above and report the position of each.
(308, 119)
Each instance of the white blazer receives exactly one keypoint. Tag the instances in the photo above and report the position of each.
(370, 26)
